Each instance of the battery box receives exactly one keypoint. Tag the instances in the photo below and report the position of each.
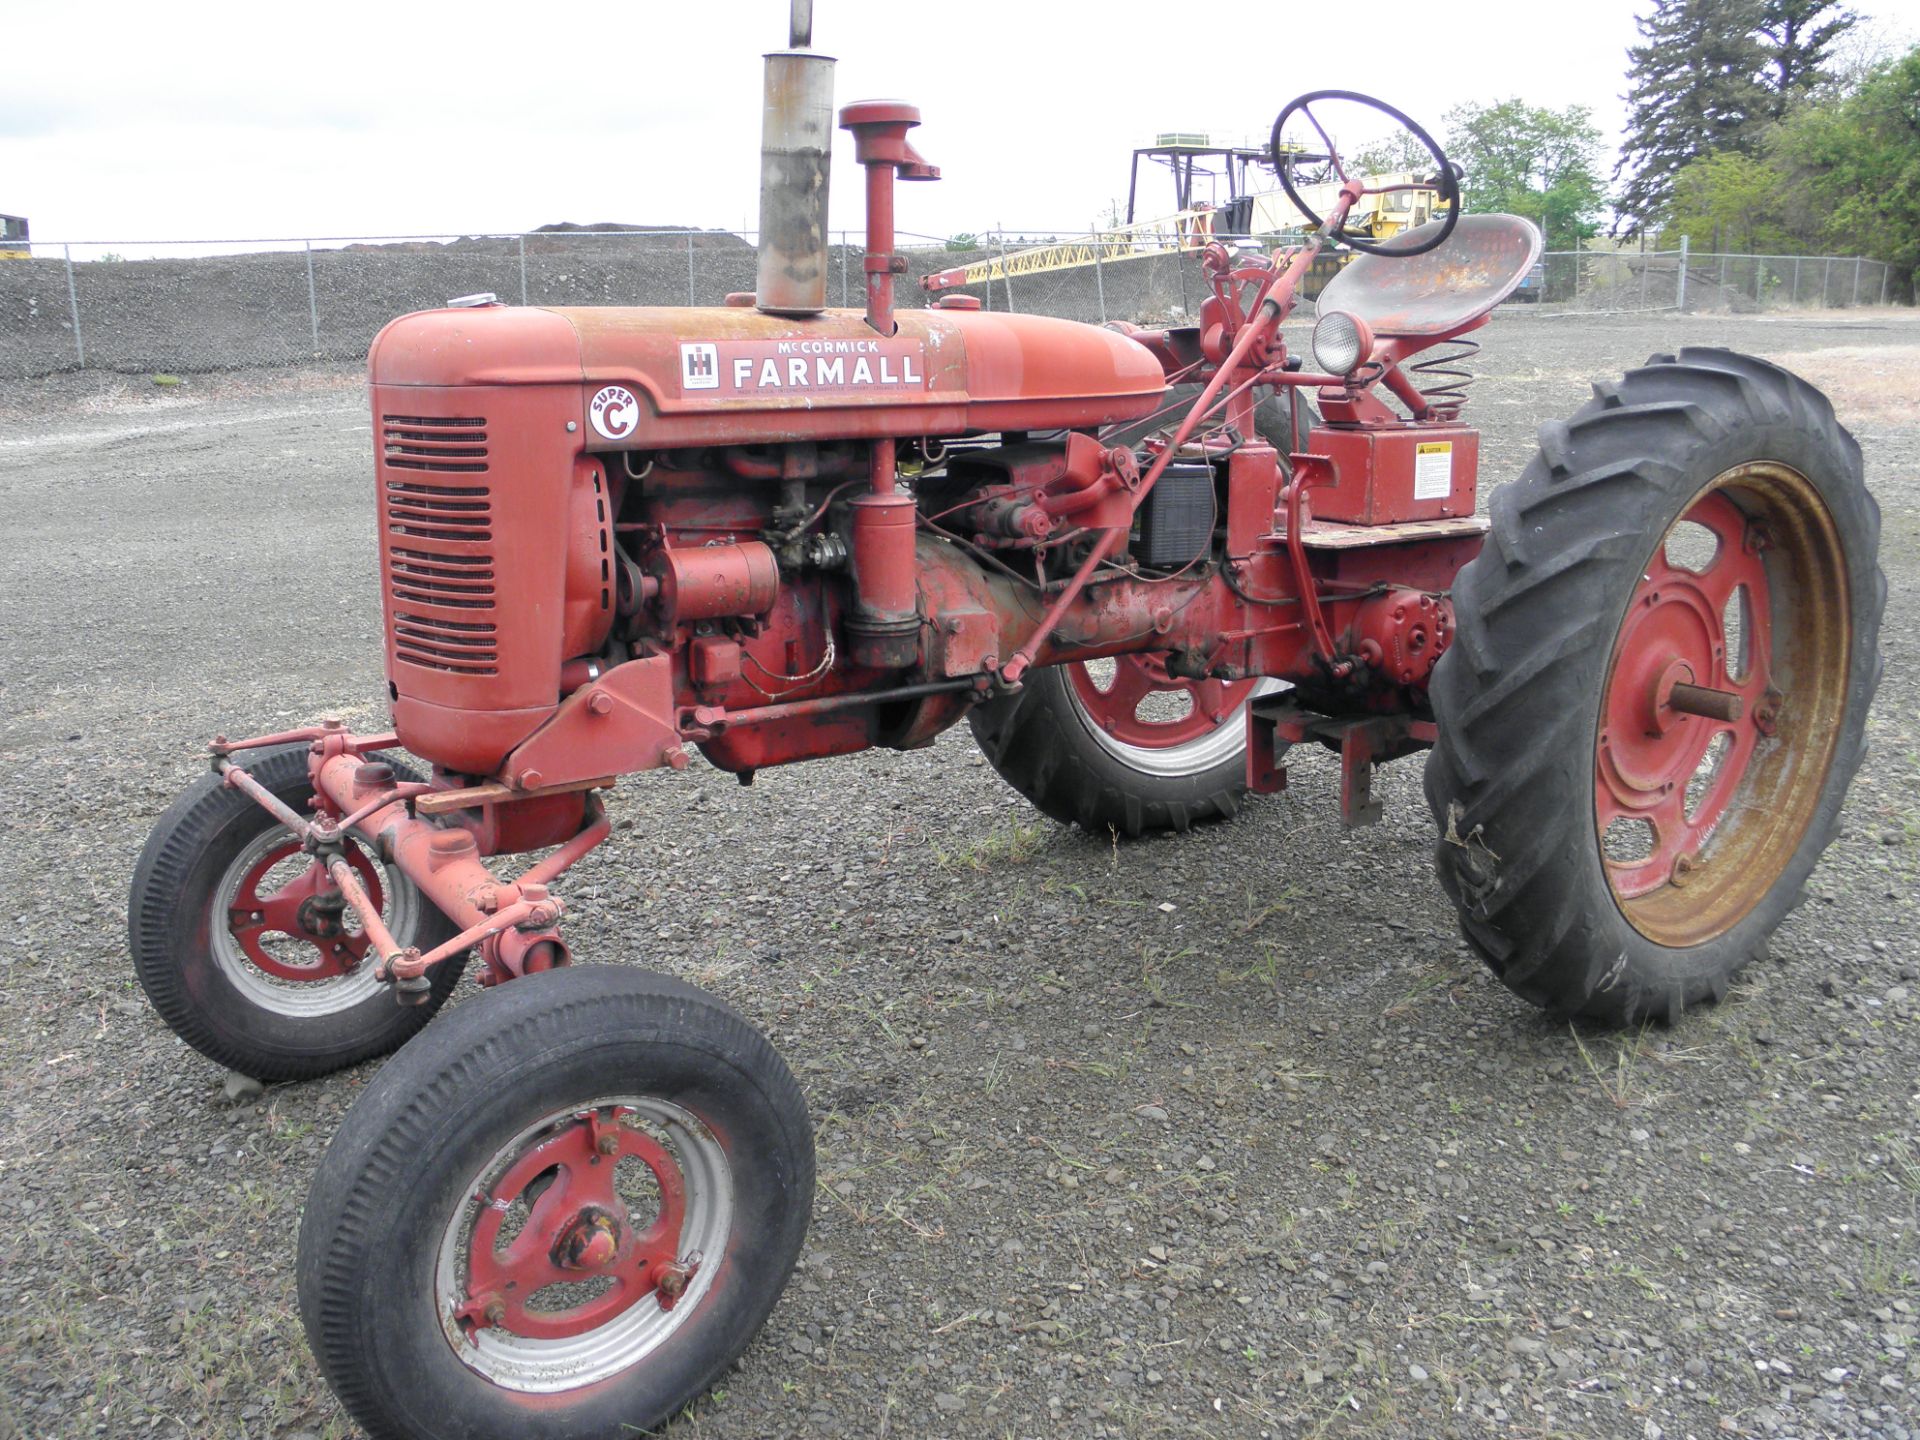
(1176, 521)
(1386, 474)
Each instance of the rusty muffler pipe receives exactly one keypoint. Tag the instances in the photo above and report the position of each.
(796, 151)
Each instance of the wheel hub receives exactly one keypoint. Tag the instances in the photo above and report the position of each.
(323, 916)
(576, 1228)
(1726, 683)
(591, 1240)
(305, 908)
(1654, 767)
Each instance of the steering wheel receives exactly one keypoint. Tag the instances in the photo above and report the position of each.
(1446, 173)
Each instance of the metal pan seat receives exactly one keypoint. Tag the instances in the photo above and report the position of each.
(1482, 263)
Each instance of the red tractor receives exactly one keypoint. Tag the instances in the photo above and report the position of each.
(773, 531)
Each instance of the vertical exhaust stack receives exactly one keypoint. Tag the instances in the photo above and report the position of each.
(796, 152)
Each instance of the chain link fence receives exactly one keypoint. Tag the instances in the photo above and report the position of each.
(1621, 281)
(218, 305)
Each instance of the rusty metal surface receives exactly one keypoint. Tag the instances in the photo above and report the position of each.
(1325, 535)
(1434, 294)
(1721, 833)
(796, 153)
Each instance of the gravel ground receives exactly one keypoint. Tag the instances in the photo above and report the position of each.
(1223, 1134)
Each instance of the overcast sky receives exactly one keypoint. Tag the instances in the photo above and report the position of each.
(184, 121)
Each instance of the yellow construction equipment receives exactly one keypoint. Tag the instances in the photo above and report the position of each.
(1261, 215)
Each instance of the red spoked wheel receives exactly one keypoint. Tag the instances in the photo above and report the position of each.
(580, 1241)
(284, 936)
(1122, 745)
(1717, 731)
(306, 907)
(1154, 720)
(1659, 692)
(245, 949)
(563, 1212)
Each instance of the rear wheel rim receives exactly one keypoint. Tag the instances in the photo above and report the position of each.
(583, 1244)
(1699, 816)
(1155, 722)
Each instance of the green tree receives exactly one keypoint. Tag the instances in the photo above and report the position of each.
(1390, 155)
(1856, 162)
(1693, 88)
(1797, 38)
(1731, 201)
(1532, 161)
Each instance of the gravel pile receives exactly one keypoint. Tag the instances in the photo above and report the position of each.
(228, 312)
(1218, 1135)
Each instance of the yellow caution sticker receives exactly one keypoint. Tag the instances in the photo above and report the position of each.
(1433, 470)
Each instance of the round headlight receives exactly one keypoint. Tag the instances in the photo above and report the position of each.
(1340, 343)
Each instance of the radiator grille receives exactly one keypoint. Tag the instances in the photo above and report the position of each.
(441, 573)
(456, 444)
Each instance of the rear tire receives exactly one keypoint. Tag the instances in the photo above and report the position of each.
(1047, 743)
(213, 846)
(515, 1098)
(1605, 863)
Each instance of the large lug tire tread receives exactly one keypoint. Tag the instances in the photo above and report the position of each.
(1038, 742)
(1510, 782)
(168, 920)
(384, 1192)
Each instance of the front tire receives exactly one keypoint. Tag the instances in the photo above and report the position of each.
(559, 1215)
(239, 962)
(1698, 538)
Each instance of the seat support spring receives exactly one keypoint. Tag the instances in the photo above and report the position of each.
(1442, 376)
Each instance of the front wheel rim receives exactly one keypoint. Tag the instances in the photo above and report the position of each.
(1700, 815)
(285, 952)
(1154, 722)
(618, 1281)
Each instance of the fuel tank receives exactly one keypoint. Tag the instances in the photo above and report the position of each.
(659, 378)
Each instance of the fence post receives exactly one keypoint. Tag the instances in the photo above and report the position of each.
(844, 302)
(1099, 277)
(313, 301)
(1645, 262)
(690, 299)
(73, 306)
(1680, 292)
(1886, 275)
(1006, 277)
(1576, 265)
(1826, 275)
(523, 269)
(1794, 299)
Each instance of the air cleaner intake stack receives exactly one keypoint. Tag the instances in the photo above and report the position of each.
(796, 152)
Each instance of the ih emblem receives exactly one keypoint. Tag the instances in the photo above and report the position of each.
(700, 366)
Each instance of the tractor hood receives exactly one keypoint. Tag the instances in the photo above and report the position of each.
(654, 378)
